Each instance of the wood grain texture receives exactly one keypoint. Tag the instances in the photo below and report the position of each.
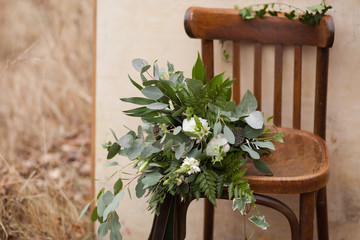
(236, 72)
(227, 24)
(278, 84)
(257, 73)
(297, 87)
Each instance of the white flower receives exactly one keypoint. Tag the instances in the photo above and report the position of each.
(214, 146)
(192, 164)
(180, 180)
(190, 126)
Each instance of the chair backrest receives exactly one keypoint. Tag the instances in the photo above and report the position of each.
(210, 24)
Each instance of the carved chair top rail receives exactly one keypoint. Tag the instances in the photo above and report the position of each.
(227, 24)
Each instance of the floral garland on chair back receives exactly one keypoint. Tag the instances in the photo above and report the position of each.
(193, 141)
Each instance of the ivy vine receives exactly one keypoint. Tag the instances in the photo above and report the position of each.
(311, 16)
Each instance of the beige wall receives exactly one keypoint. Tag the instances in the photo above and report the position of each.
(152, 30)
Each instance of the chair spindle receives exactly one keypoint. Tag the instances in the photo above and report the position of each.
(278, 84)
(297, 87)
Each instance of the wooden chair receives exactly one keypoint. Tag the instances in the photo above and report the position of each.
(300, 165)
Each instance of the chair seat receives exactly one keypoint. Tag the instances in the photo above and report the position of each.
(299, 165)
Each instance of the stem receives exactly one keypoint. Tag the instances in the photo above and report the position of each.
(245, 227)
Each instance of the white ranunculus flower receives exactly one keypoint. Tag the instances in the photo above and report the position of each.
(214, 146)
(192, 164)
(190, 126)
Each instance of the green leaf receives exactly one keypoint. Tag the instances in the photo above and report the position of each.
(151, 179)
(195, 85)
(135, 83)
(94, 215)
(110, 164)
(253, 133)
(100, 205)
(279, 137)
(247, 105)
(170, 92)
(108, 197)
(177, 130)
(262, 166)
(114, 149)
(170, 67)
(157, 106)
(180, 150)
(139, 63)
(113, 133)
(240, 204)
(259, 221)
(253, 154)
(229, 135)
(198, 71)
(156, 72)
(268, 145)
(84, 211)
(118, 186)
(100, 192)
(316, 8)
(135, 150)
(114, 204)
(217, 128)
(139, 189)
(103, 229)
(115, 227)
(152, 92)
(269, 119)
(230, 106)
(217, 80)
(138, 100)
(144, 69)
(255, 120)
(126, 141)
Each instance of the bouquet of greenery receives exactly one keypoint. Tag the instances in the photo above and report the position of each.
(193, 141)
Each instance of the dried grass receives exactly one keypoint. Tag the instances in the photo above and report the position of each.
(45, 113)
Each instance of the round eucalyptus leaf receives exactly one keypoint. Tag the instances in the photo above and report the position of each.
(139, 63)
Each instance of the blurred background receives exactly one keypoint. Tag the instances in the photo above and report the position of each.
(45, 118)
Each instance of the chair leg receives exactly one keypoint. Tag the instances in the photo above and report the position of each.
(321, 215)
(181, 208)
(307, 212)
(208, 220)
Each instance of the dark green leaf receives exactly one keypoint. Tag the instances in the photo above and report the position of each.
(170, 67)
(179, 111)
(139, 189)
(253, 133)
(118, 186)
(100, 192)
(262, 166)
(114, 149)
(135, 83)
(94, 215)
(170, 92)
(145, 68)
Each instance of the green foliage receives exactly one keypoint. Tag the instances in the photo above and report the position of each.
(186, 146)
(311, 17)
